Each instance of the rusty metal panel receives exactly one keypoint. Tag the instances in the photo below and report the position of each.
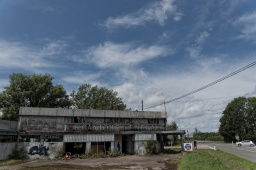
(89, 138)
(144, 137)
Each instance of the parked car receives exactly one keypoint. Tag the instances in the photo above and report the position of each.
(245, 143)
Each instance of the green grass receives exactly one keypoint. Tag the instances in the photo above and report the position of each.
(214, 160)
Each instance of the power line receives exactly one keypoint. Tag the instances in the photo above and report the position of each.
(208, 99)
(206, 86)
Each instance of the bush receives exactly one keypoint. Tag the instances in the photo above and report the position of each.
(113, 154)
(19, 152)
(150, 147)
(59, 153)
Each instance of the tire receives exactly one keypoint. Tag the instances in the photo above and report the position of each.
(251, 145)
(239, 145)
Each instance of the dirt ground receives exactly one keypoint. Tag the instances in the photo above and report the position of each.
(168, 161)
(132, 162)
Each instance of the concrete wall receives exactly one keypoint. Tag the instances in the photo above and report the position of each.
(6, 149)
(139, 147)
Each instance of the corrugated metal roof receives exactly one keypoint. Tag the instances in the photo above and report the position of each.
(89, 138)
(89, 113)
(144, 137)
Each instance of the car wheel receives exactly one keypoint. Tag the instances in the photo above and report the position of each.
(252, 145)
(239, 145)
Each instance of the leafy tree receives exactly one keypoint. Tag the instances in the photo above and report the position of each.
(171, 127)
(150, 147)
(239, 117)
(31, 91)
(93, 97)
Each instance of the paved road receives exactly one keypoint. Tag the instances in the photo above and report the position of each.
(245, 152)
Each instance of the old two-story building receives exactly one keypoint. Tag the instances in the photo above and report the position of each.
(81, 131)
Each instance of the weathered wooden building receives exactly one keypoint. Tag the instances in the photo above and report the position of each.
(82, 131)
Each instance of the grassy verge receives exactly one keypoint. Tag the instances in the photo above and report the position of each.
(214, 160)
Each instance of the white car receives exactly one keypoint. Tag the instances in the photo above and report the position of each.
(245, 143)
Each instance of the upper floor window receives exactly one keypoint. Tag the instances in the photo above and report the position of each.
(153, 121)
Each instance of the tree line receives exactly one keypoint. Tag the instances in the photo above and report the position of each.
(209, 136)
(38, 91)
(238, 121)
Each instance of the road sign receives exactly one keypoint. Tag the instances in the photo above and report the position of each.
(188, 147)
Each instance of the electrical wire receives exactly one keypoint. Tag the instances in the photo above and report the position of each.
(206, 86)
(208, 99)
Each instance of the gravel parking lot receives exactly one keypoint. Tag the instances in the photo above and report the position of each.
(131, 162)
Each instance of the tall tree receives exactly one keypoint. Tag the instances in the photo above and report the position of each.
(93, 97)
(172, 126)
(31, 91)
(173, 138)
(239, 118)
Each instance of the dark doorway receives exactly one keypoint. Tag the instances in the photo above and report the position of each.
(124, 144)
(75, 147)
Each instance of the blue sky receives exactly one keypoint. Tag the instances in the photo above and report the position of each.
(150, 50)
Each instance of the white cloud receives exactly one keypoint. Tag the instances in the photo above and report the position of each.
(133, 94)
(15, 54)
(248, 23)
(194, 52)
(53, 48)
(27, 57)
(201, 38)
(202, 109)
(82, 78)
(119, 55)
(158, 11)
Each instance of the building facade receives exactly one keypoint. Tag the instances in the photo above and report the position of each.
(80, 131)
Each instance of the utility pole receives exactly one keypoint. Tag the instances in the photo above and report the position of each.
(142, 105)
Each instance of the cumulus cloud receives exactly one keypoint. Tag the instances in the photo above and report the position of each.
(158, 11)
(134, 94)
(203, 109)
(118, 55)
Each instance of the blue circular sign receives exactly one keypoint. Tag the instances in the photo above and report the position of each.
(188, 146)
